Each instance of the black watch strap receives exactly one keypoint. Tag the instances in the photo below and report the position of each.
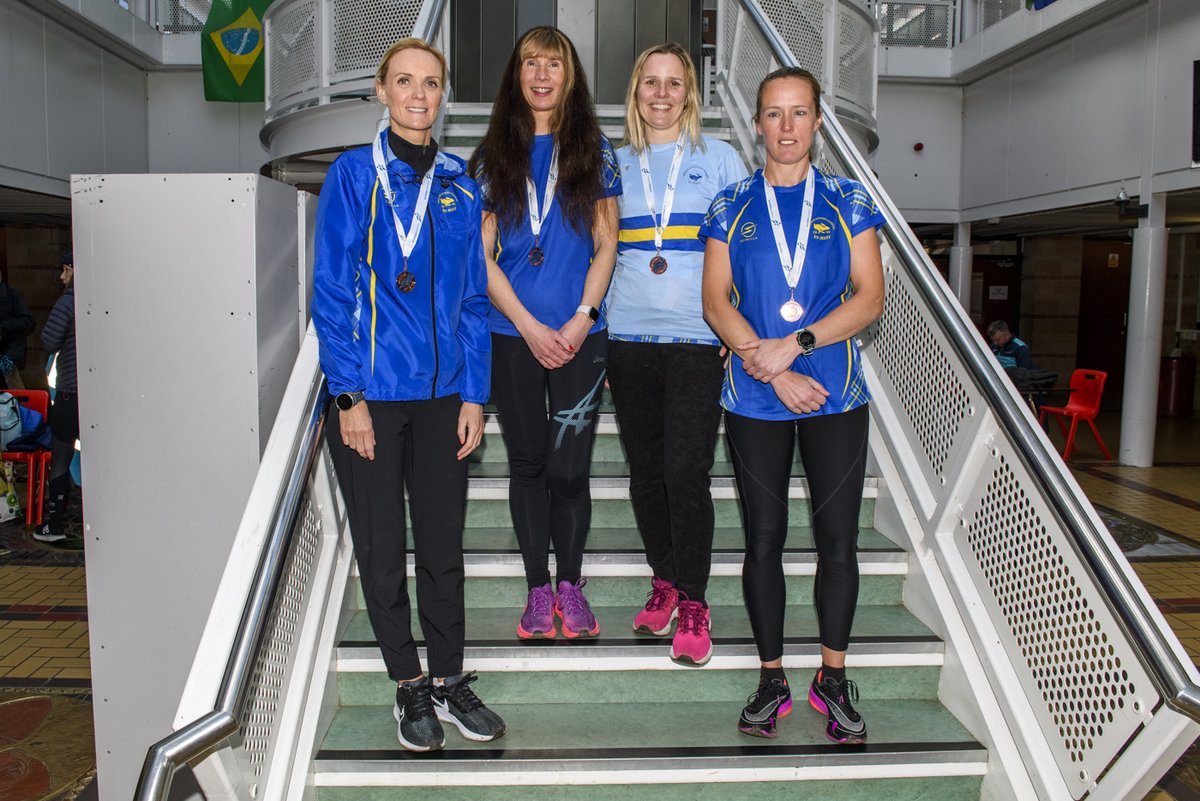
(347, 400)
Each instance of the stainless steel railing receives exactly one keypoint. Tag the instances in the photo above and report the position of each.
(201, 738)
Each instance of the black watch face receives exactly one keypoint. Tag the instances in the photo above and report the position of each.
(806, 339)
(345, 401)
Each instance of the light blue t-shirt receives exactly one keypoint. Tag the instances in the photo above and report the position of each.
(642, 306)
(841, 210)
(551, 291)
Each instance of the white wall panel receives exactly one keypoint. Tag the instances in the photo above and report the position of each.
(125, 136)
(189, 134)
(1039, 125)
(926, 184)
(985, 141)
(1178, 47)
(75, 103)
(26, 87)
(1107, 101)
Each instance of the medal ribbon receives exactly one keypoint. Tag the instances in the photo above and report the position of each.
(660, 224)
(538, 215)
(407, 238)
(793, 264)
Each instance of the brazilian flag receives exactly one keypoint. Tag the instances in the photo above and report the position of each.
(231, 51)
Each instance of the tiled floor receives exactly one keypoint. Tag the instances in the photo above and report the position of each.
(43, 612)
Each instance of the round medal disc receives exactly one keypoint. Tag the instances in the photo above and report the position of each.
(536, 257)
(406, 282)
(658, 265)
(791, 311)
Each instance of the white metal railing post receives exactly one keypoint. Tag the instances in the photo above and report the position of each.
(324, 51)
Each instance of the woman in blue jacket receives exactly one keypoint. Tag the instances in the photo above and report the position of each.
(400, 308)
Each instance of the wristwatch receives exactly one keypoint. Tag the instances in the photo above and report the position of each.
(807, 341)
(346, 400)
(591, 311)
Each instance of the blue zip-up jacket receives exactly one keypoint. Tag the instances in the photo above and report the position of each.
(428, 343)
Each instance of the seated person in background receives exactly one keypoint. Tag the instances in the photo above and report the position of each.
(1009, 351)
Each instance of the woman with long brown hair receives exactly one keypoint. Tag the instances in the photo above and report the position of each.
(549, 233)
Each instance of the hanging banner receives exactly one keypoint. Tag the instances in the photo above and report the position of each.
(231, 51)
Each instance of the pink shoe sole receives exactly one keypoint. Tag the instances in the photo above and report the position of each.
(537, 634)
(570, 634)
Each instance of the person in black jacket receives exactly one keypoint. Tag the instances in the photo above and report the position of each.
(15, 324)
(59, 335)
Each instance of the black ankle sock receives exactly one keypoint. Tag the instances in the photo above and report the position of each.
(768, 673)
(837, 674)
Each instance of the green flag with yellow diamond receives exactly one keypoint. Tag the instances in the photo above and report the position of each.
(231, 51)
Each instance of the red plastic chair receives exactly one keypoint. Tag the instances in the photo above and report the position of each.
(1084, 404)
(37, 462)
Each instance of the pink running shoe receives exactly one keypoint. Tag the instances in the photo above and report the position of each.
(538, 620)
(573, 609)
(661, 608)
(692, 645)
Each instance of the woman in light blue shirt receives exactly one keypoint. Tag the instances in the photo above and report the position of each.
(664, 361)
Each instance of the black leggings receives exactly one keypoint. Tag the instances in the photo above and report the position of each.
(549, 453)
(834, 450)
(667, 397)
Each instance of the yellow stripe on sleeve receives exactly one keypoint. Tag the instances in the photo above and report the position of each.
(463, 189)
(371, 266)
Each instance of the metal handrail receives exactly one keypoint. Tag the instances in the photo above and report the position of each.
(203, 736)
(1166, 671)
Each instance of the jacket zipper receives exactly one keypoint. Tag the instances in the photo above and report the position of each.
(432, 306)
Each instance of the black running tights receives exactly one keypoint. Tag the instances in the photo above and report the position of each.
(833, 448)
(549, 452)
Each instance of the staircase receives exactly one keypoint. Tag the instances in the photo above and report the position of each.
(601, 719)
(466, 123)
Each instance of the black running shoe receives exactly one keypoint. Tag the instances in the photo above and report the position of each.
(419, 729)
(458, 704)
(832, 698)
(771, 701)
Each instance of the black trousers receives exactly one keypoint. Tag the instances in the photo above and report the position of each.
(667, 398)
(834, 451)
(416, 443)
(549, 453)
(63, 419)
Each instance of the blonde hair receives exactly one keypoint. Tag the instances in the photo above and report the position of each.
(689, 120)
(410, 43)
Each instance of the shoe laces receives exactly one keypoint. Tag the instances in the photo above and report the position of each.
(845, 692)
(571, 598)
(691, 617)
(416, 700)
(540, 600)
(461, 694)
(659, 596)
(768, 689)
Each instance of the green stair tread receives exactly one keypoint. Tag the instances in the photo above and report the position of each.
(597, 685)
(509, 592)
(874, 623)
(695, 724)
(599, 469)
(627, 539)
(924, 788)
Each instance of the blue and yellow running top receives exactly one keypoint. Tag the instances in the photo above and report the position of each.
(642, 306)
(738, 216)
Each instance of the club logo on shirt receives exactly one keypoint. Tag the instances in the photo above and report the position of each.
(822, 228)
(696, 174)
(748, 232)
(448, 202)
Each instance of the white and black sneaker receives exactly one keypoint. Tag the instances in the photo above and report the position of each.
(419, 729)
(832, 698)
(771, 701)
(456, 703)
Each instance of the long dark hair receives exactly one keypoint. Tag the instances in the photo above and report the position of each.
(501, 161)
